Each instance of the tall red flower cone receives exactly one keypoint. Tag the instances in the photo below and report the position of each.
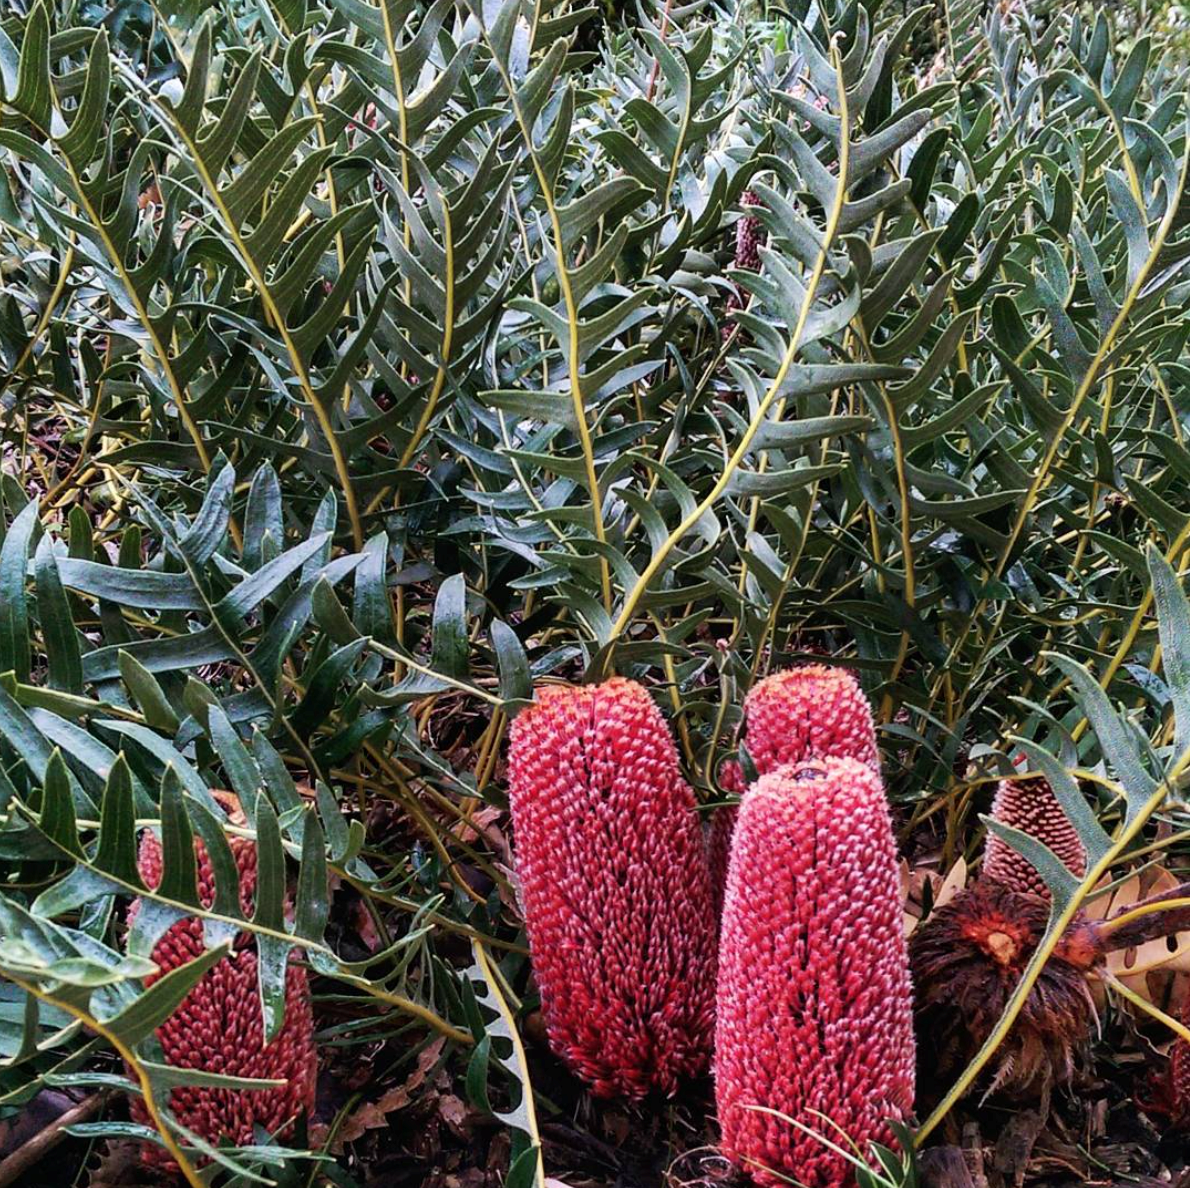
(813, 711)
(1030, 806)
(615, 887)
(814, 1006)
(810, 712)
(219, 1025)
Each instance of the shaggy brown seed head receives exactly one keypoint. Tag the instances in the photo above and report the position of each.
(968, 958)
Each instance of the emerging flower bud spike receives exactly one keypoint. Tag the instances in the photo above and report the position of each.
(1031, 807)
(811, 712)
(615, 887)
(219, 1025)
(815, 1016)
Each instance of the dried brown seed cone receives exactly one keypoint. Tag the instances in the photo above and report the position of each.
(966, 961)
(968, 957)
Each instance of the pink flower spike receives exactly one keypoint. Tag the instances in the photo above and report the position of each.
(615, 887)
(815, 1017)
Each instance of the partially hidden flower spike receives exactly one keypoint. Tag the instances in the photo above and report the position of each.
(219, 1025)
(720, 828)
(810, 712)
(1030, 806)
(814, 711)
(615, 887)
(1179, 1075)
(748, 234)
(814, 1011)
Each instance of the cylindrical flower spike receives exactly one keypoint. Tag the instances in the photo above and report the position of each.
(811, 712)
(615, 887)
(815, 1016)
(219, 1025)
(814, 711)
(1031, 807)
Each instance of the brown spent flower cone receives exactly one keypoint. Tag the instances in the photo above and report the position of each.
(968, 957)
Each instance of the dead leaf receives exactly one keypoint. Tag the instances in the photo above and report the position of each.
(955, 881)
(1145, 970)
(454, 1113)
(372, 1115)
(365, 926)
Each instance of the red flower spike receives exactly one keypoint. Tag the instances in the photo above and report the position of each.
(748, 233)
(815, 1016)
(219, 1025)
(1031, 807)
(615, 887)
(1179, 1075)
(814, 711)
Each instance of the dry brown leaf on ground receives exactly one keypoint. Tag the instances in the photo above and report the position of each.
(371, 1115)
(1149, 969)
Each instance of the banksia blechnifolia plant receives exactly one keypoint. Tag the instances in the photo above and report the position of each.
(219, 1026)
(814, 1012)
(1030, 806)
(615, 887)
